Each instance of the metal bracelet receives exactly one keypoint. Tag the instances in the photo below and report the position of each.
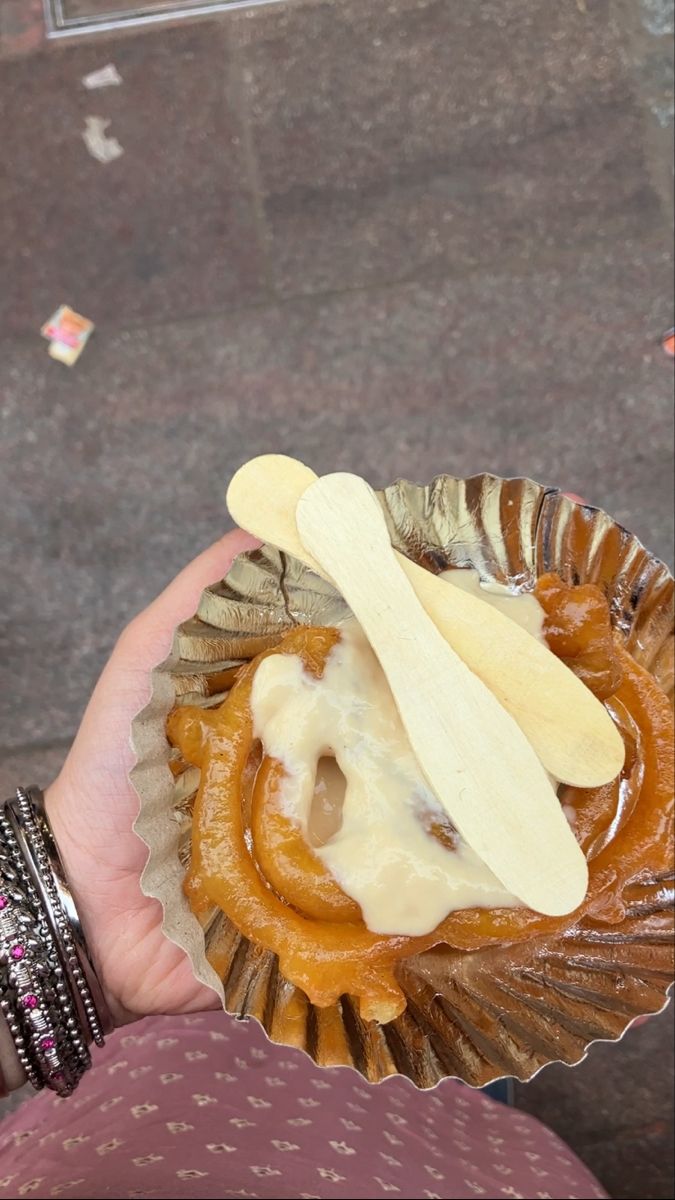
(30, 819)
(34, 994)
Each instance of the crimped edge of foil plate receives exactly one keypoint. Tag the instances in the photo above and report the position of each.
(501, 1011)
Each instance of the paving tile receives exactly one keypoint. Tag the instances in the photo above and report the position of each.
(30, 765)
(113, 474)
(21, 27)
(616, 1109)
(426, 136)
(167, 227)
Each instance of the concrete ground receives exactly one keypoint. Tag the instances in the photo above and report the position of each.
(399, 237)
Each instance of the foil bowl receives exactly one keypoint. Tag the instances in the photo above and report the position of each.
(476, 1016)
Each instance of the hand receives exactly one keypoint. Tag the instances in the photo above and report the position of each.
(92, 806)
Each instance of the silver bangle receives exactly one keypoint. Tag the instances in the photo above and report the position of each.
(31, 822)
(34, 994)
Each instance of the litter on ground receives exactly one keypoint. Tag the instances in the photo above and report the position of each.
(68, 333)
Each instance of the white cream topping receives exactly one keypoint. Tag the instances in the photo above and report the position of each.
(521, 607)
(403, 878)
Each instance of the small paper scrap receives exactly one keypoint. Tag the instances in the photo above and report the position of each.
(101, 147)
(68, 333)
(107, 76)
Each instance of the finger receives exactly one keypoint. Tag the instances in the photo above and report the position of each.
(124, 685)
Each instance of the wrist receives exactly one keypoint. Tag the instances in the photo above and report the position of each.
(81, 874)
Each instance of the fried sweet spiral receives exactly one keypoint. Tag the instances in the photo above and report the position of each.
(257, 867)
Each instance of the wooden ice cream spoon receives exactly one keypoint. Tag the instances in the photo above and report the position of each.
(569, 729)
(474, 756)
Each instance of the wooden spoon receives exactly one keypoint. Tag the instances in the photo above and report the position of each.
(475, 758)
(570, 730)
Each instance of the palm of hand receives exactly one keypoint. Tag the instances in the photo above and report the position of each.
(92, 806)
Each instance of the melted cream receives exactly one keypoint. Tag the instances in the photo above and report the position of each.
(380, 852)
(521, 607)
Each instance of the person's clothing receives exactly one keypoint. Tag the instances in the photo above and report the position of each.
(207, 1107)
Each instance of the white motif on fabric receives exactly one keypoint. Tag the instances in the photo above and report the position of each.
(202, 1100)
(386, 1187)
(392, 1138)
(220, 1148)
(259, 1054)
(389, 1159)
(241, 1063)
(320, 1084)
(354, 1107)
(59, 1188)
(531, 1156)
(299, 1121)
(218, 1037)
(308, 1102)
(396, 1119)
(143, 1110)
(224, 1077)
(501, 1169)
(342, 1148)
(108, 1147)
(351, 1125)
(195, 1055)
(330, 1174)
(6, 1180)
(257, 1102)
(191, 1173)
(110, 1103)
(431, 1195)
(72, 1142)
(287, 1064)
(169, 1077)
(179, 1127)
(138, 1072)
(118, 1066)
(475, 1187)
(274, 1081)
(284, 1146)
(511, 1191)
(146, 1160)
(166, 1043)
(242, 1123)
(433, 1171)
(264, 1170)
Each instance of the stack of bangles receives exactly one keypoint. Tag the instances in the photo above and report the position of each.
(49, 994)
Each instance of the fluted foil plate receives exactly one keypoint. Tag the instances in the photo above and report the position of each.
(475, 1016)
